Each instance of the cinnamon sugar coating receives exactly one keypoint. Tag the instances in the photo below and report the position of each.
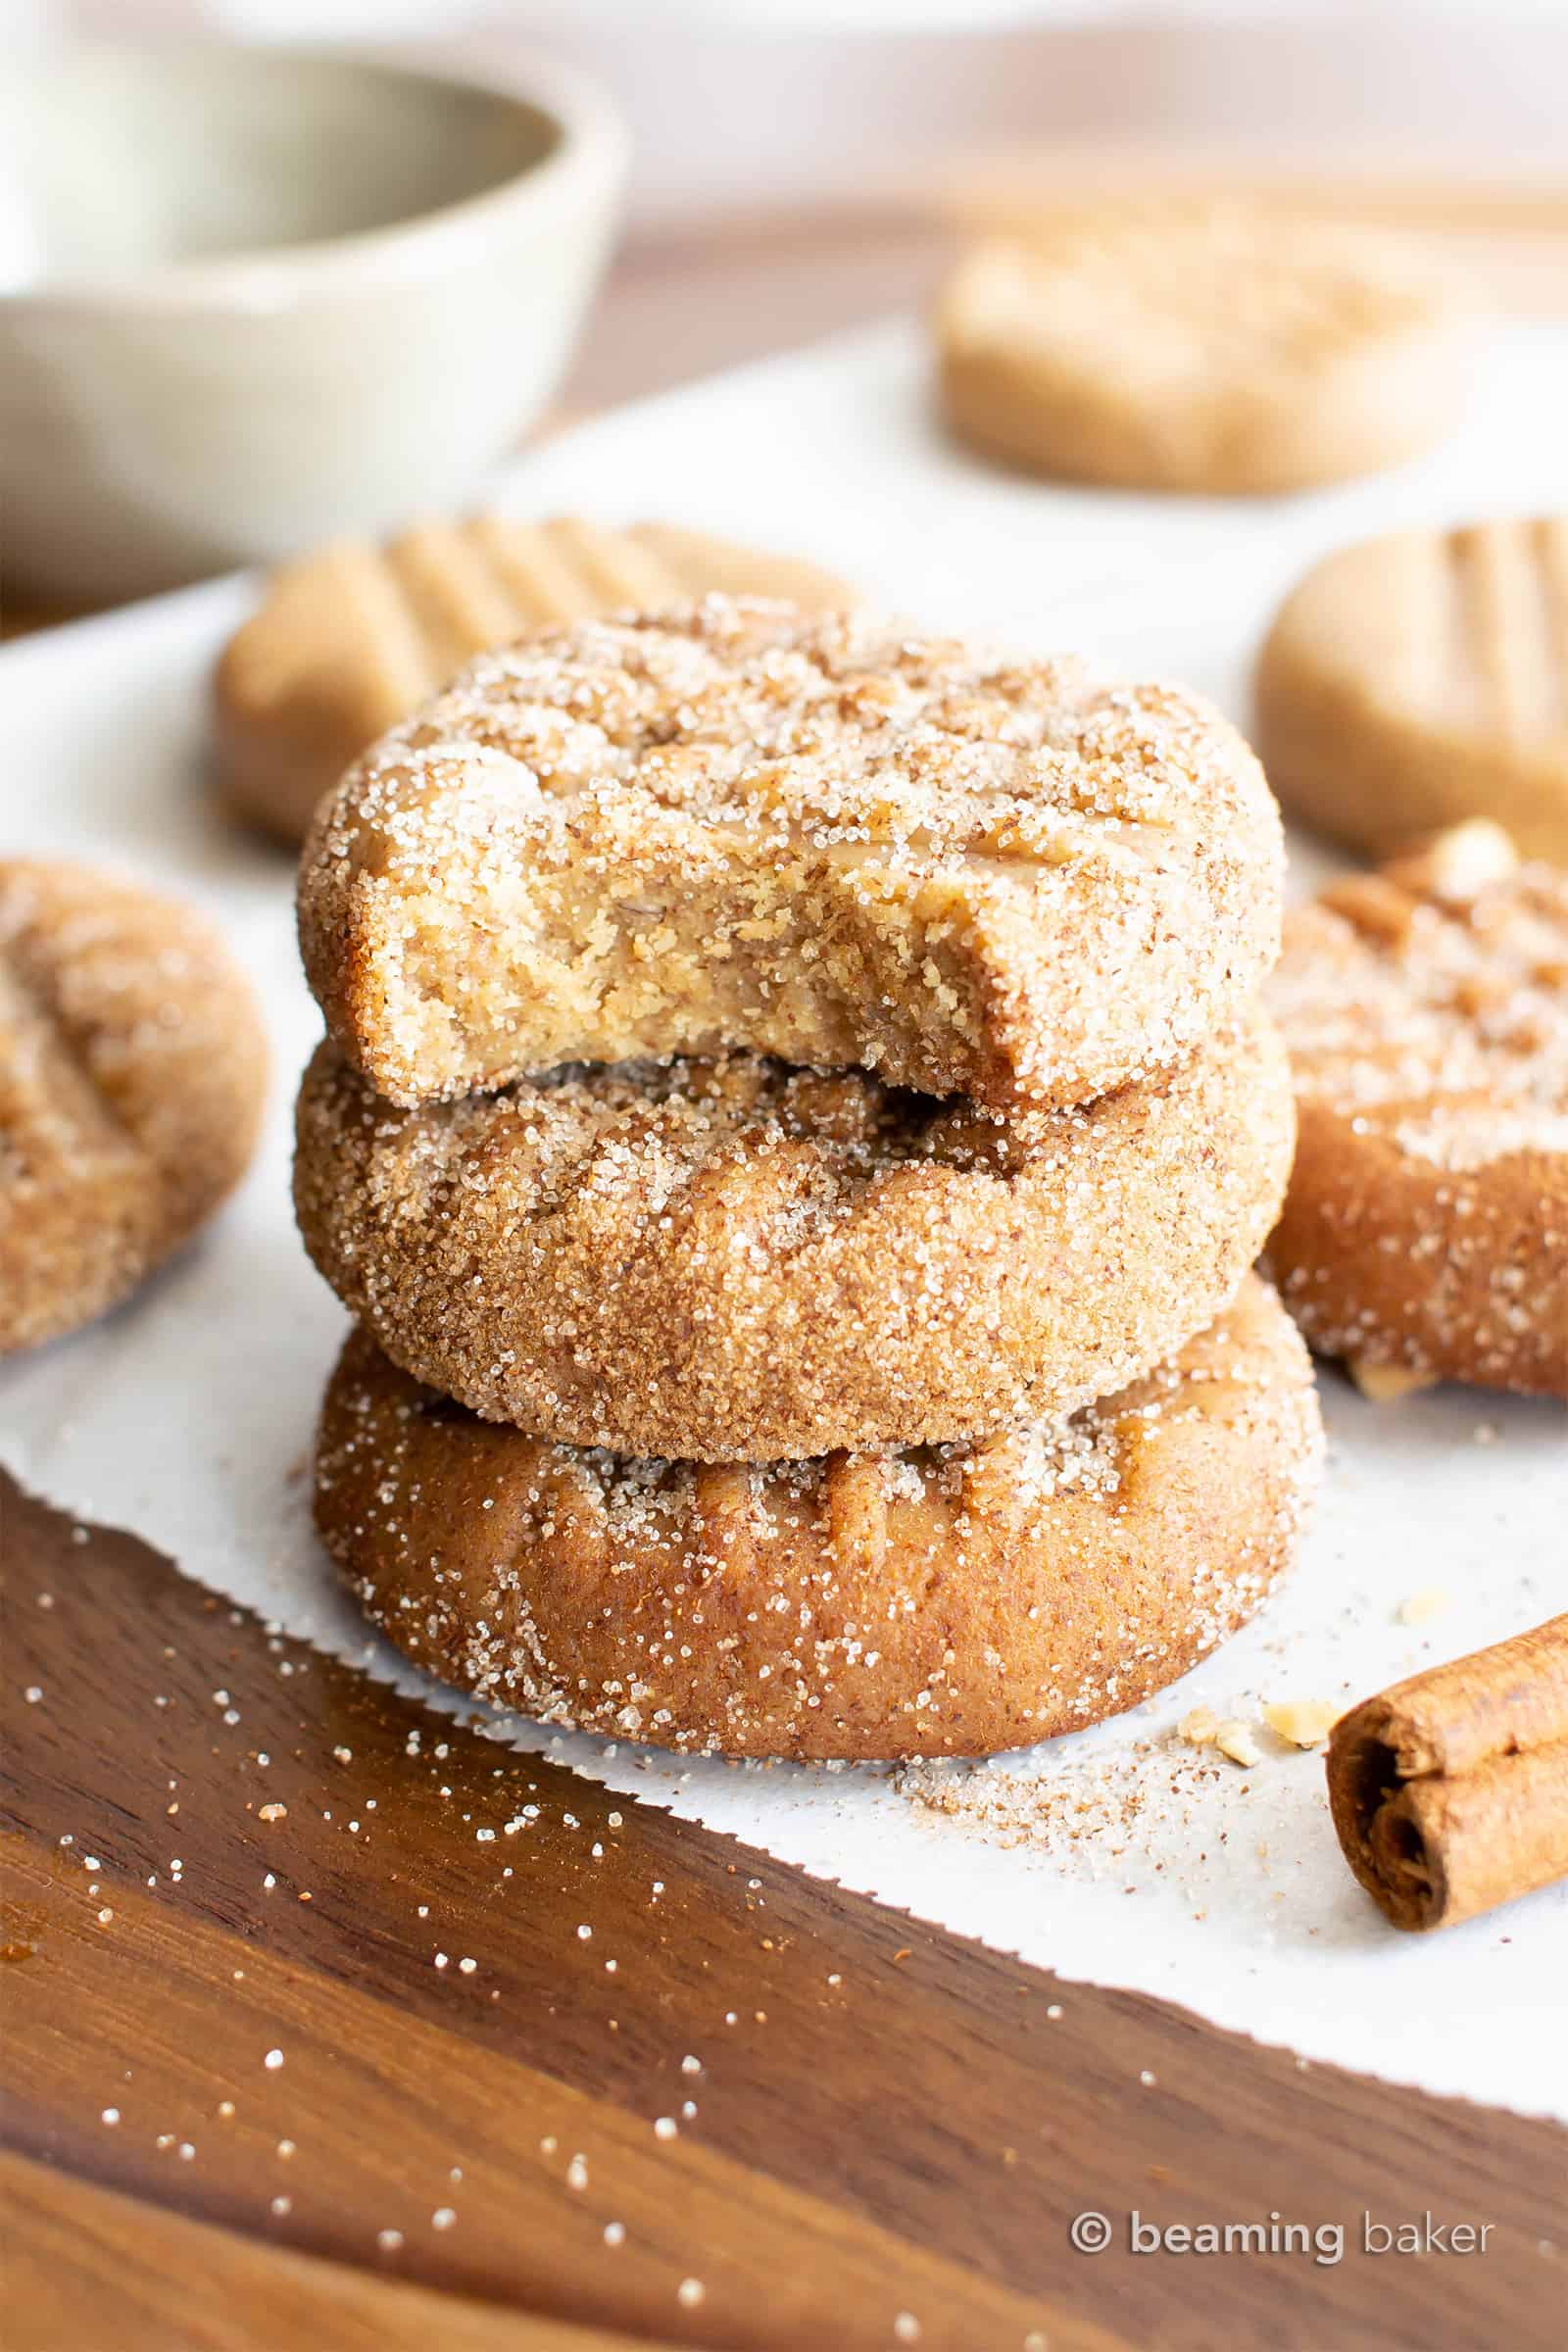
(1426, 1013)
(943, 1602)
(132, 1068)
(741, 826)
(725, 1258)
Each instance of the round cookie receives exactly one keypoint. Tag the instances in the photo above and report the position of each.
(1425, 1233)
(946, 1601)
(351, 638)
(730, 1259)
(1411, 682)
(1202, 348)
(132, 1070)
(745, 827)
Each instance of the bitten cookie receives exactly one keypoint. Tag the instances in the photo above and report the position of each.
(943, 1602)
(814, 838)
(1413, 681)
(1199, 348)
(1425, 1234)
(732, 1259)
(132, 1070)
(349, 640)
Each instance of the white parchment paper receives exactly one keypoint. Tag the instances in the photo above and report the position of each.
(188, 1415)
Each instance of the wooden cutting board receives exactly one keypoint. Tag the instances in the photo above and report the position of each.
(329, 2021)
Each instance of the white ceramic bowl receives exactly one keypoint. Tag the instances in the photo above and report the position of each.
(253, 297)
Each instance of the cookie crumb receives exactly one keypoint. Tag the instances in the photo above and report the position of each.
(1237, 1741)
(1301, 1722)
(1387, 1384)
(1458, 864)
(1418, 1609)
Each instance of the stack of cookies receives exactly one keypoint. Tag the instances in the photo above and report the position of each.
(794, 1131)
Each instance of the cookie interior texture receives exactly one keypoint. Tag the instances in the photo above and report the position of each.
(950, 1600)
(725, 1257)
(814, 838)
(132, 1068)
(1217, 349)
(1426, 1013)
(1414, 681)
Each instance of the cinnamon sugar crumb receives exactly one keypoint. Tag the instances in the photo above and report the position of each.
(1144, 1800)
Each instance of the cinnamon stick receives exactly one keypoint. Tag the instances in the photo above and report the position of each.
(1449, 1792)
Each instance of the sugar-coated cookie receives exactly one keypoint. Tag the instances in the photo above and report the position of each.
(350, 639)
(729, 1260)
(1411, 682)
(1425, 1234)
(132, 1070)
(947, 1602)
(1200, 348)
(817, 838)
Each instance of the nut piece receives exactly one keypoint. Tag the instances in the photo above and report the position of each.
(1386, 1384)
(1302, 1722)
(1199, 1727)
(1239, 1742)
(1457, 865)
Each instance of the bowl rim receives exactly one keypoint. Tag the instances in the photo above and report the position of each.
(590, 157)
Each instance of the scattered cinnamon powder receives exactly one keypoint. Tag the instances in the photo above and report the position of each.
(1095, 1815)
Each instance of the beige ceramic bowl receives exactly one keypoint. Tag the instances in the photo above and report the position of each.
(253, 297)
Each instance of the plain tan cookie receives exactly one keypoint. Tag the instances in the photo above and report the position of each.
(814, 838)
(1205, 349)
(132, 1070)
(732, 1259)
(1411, 682)
(1426, 1013)
(349, 640)
(948, 1602)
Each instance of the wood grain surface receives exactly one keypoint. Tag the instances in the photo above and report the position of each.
(86, 2267)
(314, 1995)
